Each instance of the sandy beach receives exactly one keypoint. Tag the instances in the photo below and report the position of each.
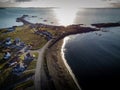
(57, 71)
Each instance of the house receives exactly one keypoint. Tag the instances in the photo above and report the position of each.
(10, 29)
(27, 48)
(8, 41)
(45, 33)
(7, 56)
(28, 58)
(19, 68)
(14, 61)
(17, 40)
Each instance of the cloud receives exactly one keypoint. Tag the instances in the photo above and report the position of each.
(4, 1)
(24, 0)
(117, 5)
(58, 3)
(114, 3)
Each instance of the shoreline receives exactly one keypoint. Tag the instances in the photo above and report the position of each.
(67, 65)
(60, 74)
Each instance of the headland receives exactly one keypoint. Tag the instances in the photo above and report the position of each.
(28, 40)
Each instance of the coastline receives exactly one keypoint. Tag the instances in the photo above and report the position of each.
(67, 65)
(59, 71)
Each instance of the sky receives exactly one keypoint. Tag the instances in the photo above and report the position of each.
(60, 3)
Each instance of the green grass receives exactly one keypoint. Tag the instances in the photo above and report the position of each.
(2, 65)
(32, 65)
(26, 35)
(3, 31)
(26, 74)
(1, 55)
(36, 54)
(22, 57)
(24, 85)
(4, 75)
(53, 32)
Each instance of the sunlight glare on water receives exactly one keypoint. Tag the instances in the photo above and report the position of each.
(66, 16)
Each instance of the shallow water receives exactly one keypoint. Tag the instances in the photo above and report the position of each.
(36, 15)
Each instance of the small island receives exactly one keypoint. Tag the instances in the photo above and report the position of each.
(30, 56)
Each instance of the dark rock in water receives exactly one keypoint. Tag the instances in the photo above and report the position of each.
(34, 16)
(24, 16)
(45, 20)
(100, 25)
(2, 8)
(51, 22)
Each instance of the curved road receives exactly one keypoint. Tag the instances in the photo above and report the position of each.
(41, 52)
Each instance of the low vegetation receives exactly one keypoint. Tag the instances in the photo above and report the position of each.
(24, 85)
(33, 63)
(27, 35)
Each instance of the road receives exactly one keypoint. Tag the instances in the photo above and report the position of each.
(37, 80)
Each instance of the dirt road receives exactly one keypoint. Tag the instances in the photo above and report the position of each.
(38, 66)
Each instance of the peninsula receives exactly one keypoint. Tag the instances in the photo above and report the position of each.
(30, 56)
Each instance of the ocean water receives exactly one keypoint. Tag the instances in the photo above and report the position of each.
(95, 57)
(36, 15)
(90, 16)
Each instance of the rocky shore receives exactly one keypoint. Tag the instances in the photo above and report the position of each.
(73, 29)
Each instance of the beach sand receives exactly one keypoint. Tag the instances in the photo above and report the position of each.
(58, 75)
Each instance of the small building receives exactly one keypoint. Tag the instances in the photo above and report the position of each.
(12, 63)
(28, 58)
(10, 29)
(7, 56)
(8, 41)
(17, 40)
(19, 68)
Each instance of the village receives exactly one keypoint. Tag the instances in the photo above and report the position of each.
(19, 46)
(19, 64)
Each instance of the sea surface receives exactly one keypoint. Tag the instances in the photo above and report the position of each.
(95, 57)
(35, 15)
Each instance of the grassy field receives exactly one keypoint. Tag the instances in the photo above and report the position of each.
(24, 85)
(29, 84)
(26, 35)
(1, 55)
(25, 76)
